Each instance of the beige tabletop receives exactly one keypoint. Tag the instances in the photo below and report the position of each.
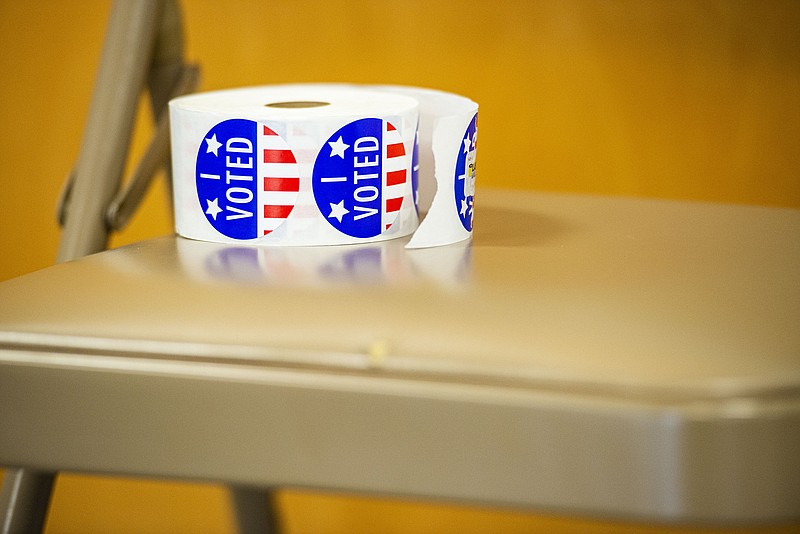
(603, 356)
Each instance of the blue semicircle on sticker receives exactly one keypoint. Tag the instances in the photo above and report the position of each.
(465, 175)
(226, 176)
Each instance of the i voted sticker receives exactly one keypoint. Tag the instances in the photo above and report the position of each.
(465, 175)
(360, 177)
(247, 179)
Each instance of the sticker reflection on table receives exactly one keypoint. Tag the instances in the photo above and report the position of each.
(329, 266)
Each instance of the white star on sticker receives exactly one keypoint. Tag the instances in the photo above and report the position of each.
(338, 147)
(338, 211)
(213, 144)
(213, 208)
(467, 142)
(464, 207)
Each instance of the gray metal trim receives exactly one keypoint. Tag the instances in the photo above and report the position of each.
(720, 462)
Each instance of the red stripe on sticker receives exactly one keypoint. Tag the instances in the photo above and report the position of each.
(281, 184)
(277, 212)
(279, 156)
(396, 177)
(394, 150)
(393, 204)
(267, 232)
(390, 127)
(267, 131)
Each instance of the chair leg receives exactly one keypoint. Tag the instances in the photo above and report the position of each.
(255, 510)
(24, 500)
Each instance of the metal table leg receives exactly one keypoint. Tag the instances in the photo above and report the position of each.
(255, 510)
(24, 500)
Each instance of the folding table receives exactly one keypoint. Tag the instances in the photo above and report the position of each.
(598, 356)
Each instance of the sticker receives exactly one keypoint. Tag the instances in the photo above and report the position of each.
(247, 179)
(360, 177)
(465, 174)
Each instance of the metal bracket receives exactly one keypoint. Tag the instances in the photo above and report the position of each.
(127, 200)
(143, 45)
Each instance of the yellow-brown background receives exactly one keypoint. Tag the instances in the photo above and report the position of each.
(696, 100)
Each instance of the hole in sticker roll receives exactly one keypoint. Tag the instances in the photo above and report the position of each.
(297, 104)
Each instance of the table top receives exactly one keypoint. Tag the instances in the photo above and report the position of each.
(623, 357)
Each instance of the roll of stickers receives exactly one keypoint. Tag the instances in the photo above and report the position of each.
(324, 164)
